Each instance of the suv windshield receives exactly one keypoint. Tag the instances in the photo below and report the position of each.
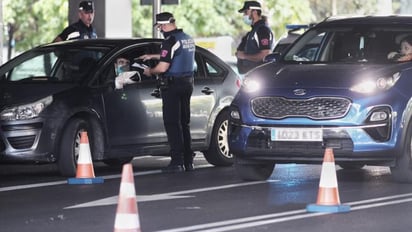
(365, 44)
(57, 65)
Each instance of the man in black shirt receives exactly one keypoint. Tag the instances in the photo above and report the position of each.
(83, 28)
(257, 43)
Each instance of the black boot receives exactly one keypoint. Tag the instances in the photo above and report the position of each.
(173, 168)
(188, 163)
(176, 164)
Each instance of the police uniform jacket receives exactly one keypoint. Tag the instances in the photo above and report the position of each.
(178, 49)
(78, 30)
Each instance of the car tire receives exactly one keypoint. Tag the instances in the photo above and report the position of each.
(117, 162)
(69, 147)
(402, 171)
(253, 171)
(348, 166)
(218, 153)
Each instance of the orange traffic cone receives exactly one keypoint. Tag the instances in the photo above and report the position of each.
(328, 194)
(127, 216)
(85, 171)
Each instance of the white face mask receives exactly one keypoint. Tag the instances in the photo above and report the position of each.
(247, 20)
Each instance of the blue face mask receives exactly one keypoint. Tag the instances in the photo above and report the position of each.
(247, 20)
(120, 69)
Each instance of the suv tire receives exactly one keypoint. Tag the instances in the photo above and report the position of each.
(402, 171)
(253, 171)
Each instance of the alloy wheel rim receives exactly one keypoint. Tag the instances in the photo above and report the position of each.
(222, 140)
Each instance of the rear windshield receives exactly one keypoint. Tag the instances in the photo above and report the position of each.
(57, 64)
(351, 44)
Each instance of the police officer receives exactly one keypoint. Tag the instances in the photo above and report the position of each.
(258, 42)
(175, 67)
(83, 28)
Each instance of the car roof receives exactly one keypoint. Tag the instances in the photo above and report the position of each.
(102, 42)
(366, 20)
(110, 43)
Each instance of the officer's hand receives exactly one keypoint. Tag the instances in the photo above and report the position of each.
(144, 57)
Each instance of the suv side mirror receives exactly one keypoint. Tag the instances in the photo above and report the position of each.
(273, 57)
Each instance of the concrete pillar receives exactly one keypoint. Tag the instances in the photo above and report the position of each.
(112, 19)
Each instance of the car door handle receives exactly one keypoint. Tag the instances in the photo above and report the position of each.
(155, 93)
(207, 90)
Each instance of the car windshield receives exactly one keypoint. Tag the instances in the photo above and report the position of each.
(59, 64)
(348, 44)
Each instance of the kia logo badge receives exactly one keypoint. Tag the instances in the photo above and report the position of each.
(299, 92)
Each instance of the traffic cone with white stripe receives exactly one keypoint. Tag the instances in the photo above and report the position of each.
(328, 194)
(85, 171)
(127, 216)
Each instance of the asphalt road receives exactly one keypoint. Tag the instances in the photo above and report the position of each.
(35, 198)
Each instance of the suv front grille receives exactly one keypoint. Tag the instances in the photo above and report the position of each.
(315, 108)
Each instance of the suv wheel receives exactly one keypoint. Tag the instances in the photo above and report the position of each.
(402, 171)
(69, 146)
(218, 153)
(253, 171)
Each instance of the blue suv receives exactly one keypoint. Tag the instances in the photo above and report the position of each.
(334, 87)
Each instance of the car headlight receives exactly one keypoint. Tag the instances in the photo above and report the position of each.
(371, 86)
(251, 85)
(27, 111)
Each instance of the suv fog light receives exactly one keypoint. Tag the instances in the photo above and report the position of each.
(378, 116)
(235, 114)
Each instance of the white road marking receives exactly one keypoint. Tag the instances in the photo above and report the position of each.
(107, 177)
(163, 196)
(248, 222)
(28, 186)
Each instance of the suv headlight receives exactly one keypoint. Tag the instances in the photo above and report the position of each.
(251, 85)
(383, 83)
(27, 111)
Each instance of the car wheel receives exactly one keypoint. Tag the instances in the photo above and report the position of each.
(218, 153)
(253, 171)
(402, 171)
(351, 166)
(69, 146)
(117, 162)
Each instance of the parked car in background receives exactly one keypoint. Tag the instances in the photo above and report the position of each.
(294, 31)
(51, 93)
(334, 87)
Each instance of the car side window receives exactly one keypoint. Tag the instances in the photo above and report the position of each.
(207, 69)
(109, 74)
(38, 66)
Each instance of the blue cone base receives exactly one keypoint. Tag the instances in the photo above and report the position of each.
(328, 208)
(96, 180)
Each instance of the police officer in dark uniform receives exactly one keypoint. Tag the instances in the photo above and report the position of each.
(176, 68)
(83, 28)
(258, 42)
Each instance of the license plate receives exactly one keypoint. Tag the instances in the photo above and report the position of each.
(296, 134)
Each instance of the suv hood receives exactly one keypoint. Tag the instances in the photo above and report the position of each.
(324, 75)
(23, 93)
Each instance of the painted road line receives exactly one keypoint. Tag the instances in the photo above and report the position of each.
(107, 177)
(248, 222)
(163, 196)
(28, 186)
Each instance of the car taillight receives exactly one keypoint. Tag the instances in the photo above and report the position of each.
(238, 83)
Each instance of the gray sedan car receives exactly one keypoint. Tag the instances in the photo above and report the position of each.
(51, 93)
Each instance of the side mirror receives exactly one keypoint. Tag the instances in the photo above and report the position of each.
(273, 57)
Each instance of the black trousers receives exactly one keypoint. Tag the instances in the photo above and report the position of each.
(176, 118)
